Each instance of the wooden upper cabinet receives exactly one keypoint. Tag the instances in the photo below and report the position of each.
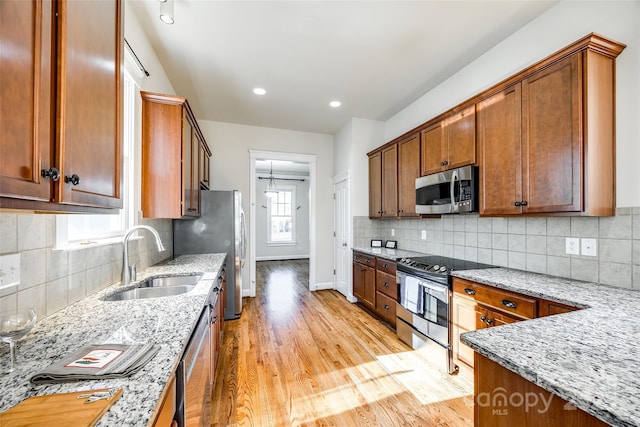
(551, 138)
(61, 105)
(90, 91)
(547, 143)
(26, 104)
(375, 185)
(171, 144)
(432, 153)
(408, 171)
(390, 181)
(450, 143)
(500, 152)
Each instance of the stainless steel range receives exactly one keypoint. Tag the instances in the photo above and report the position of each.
(422, 315)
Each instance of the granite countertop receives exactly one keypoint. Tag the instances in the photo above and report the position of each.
(390, 254)
(588, 357)
(165, 321)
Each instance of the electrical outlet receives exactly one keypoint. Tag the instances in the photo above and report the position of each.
(393, 232)
(9, 270)
(589, 247)
(423, 234)
(572, 246)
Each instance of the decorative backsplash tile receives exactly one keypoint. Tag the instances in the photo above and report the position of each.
(534, 244)
(53, 279)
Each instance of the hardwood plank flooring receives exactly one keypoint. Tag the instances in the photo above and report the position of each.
(300, 358)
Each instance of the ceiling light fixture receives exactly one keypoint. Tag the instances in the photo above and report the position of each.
(166, 11)
(335, 104)
(259, 91)
(271, 190)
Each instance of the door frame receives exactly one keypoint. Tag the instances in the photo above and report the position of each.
(293, 157)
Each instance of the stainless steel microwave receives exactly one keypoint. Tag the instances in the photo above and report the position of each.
(452, 191)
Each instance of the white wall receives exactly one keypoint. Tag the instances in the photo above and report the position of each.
(265, 251)
(556, 28)
(230, 144)
(352, 143)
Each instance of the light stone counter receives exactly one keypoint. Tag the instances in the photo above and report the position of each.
(166, 321)
(390, 254)
(588, 357)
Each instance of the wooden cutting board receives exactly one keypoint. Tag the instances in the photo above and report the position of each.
(63, 409)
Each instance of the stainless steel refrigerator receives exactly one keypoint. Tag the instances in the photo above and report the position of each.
(220, 228)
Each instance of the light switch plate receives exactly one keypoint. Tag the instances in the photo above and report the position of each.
(572, 246)
(9, 270)
(393, 232)
(589, 247)
(423, 234)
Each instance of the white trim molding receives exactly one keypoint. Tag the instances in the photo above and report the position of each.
(293, 157)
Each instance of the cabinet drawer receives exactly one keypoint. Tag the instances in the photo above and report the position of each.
(386, 308)
(364, 259)
(386, 284)
(385, 265)
(549, 308)
(508, 302)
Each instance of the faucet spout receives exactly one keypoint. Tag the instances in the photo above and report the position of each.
(126, 270)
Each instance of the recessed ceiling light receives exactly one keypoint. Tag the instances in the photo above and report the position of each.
(335, 104)
(259, 91)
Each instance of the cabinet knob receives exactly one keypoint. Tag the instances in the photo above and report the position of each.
(445, 163)
(516, 204)
(523, 203)
(386, 284)
(386, 307)
(509, 304)
(489, 321)
(73, 179)
(51, 173)
(483, 319)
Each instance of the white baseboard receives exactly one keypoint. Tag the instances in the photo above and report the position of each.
(280, 257)
(322, 286)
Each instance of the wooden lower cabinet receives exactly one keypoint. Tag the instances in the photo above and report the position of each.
(549, 308)
(167, 409)
(505, 399)
(375, 286)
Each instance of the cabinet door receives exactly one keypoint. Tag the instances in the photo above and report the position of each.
(90, 102)
(26, 104)
(465, 314)
(390, 182)
(408, 171)
(358, 281)
(375, 185)
(461, 138)
(432, 155)
(551, 138)
(499, 148)
(195, 172)
(188, 137)
(369, 297)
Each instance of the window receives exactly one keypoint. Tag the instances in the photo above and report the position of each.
(281, 218)
(76, 229)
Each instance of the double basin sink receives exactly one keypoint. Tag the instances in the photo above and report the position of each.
(155, 287)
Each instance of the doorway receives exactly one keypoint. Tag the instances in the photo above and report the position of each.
(258, 202)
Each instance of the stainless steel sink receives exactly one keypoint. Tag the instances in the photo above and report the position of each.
(158, 287)
(170, 281)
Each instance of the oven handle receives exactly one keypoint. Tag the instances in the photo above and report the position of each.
(438, 288)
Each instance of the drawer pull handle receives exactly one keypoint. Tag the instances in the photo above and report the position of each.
(469, 291)
(509, 304)
(386, 307)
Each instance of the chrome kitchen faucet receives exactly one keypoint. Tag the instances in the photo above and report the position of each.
(130, 271)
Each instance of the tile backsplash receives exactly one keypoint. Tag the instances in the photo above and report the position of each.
(52, 279)
(531, 244)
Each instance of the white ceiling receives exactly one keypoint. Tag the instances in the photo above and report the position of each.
(375, 56)
(282, 167)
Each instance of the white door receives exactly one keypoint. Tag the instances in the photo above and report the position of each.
(342, 278)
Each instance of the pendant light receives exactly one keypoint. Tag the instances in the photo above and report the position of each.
(271, 190)
(166, 11)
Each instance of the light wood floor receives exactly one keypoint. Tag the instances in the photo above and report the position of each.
(300, 358)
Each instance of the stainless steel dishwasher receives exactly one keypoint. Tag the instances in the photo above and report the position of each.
(193, 377)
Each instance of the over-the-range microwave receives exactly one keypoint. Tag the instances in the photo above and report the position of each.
(448, 192)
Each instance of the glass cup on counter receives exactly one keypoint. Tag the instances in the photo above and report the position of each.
(15, 324)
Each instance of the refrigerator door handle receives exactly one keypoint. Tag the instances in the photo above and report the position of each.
(243, 239)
